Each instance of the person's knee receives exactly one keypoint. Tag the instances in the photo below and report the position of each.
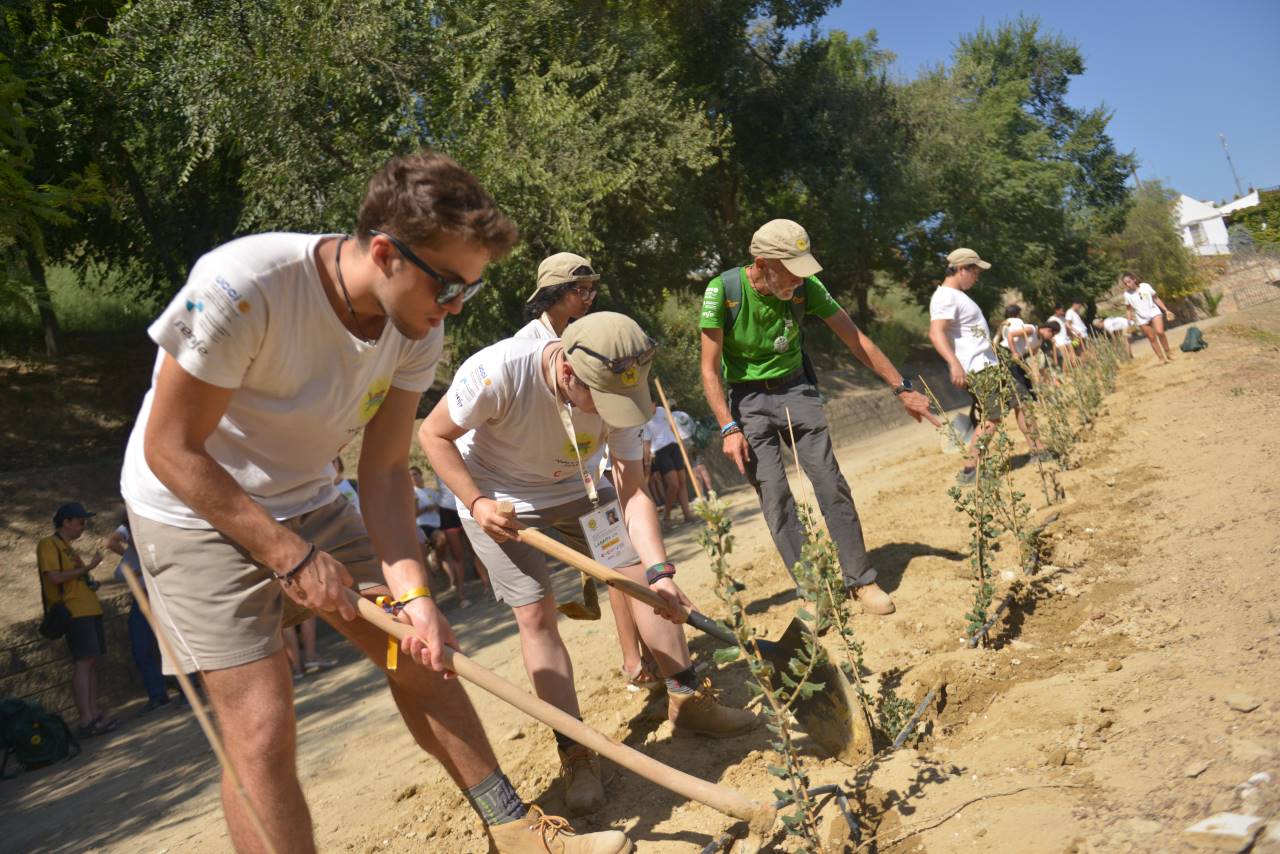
(538, 618)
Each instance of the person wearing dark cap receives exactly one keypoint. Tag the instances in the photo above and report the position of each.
(65, 579)
(511, 438)
(751, 334)
(566, 289)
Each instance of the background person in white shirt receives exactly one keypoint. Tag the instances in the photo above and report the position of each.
(961, 336)
(1145, 308)
(1064, 337)
(1116, 328)
(1075, 320)
(1018, 337)
(566, 289)
(426, 501)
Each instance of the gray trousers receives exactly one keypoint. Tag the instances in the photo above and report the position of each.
(763, 418)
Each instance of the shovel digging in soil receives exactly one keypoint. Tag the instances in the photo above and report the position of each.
(832, 716)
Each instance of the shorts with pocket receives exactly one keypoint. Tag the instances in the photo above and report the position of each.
(222, 609)
(518, 572)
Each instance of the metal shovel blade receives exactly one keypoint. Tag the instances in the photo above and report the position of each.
(833, 717)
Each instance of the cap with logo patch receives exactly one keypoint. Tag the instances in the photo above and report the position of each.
(562, 268)
(787, 242)
(611, 355)
(964, 258)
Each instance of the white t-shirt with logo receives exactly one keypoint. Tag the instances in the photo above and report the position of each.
(537, 330)
(1021, 344)
(427, 496)
(1116, 324)
(1077, 323)
(1062, 337)
(253, 317)
(1143, 302)
(517, 448)
(966, 327)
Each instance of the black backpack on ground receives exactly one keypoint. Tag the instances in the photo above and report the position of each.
(731, 288)
(33, 736)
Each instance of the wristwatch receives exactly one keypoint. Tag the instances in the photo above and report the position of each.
(905, 387)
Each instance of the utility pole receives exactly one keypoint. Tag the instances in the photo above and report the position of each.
(1227, 151)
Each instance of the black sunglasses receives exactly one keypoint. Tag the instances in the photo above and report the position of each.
(449, 290)
(622, 363)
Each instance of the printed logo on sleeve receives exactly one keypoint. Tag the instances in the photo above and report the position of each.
(374, 397)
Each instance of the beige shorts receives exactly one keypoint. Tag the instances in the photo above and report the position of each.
(221, 609)
(518, 572)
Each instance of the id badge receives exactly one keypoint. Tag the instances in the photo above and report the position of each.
(606, 534)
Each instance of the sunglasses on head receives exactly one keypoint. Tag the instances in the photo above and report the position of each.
(449, 290)
(621, 364)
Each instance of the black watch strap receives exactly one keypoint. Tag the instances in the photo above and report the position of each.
(904, 387)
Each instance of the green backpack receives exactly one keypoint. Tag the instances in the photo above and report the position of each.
(1194, 340)
(33, 736)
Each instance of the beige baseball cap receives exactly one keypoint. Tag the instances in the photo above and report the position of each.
(562, 268)
(593, 345)
(965, 257)
(788, 242)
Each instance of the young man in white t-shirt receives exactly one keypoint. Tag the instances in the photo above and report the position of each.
(278, 351)
(1076, 321)
(517, 426)
(1145, 309)
(961, 336)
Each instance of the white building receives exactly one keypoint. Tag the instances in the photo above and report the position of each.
(1204, 226)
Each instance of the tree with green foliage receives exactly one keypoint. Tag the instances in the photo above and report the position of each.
(1262, 221)
(1151, 246)
(1013, 170)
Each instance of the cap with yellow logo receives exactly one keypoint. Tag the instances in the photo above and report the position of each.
(965, 257)
(611, 355)
(787, 242)
(562, 268)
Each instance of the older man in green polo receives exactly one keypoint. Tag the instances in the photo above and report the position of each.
(751, 333)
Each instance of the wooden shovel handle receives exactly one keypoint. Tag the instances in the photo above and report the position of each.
(720, 798)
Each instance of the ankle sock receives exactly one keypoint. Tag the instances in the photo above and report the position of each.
(496, 800)
(684, 682)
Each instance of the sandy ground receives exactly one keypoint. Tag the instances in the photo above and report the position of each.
(1099, 721)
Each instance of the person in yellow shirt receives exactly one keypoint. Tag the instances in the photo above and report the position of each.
(65, 577)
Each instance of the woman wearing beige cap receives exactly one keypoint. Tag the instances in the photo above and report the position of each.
(566, 290)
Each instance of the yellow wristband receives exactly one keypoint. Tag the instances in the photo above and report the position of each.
(415, 593)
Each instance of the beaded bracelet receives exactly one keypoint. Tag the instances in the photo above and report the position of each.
(659, 571)
(287, 578)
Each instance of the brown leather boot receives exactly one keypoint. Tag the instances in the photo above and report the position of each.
(583, 787)
(537, 833)
(701, 712)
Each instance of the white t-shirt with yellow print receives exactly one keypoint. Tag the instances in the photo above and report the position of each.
(253, 317)
(517, 448)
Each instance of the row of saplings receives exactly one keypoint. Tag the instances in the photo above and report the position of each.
(1065, 405)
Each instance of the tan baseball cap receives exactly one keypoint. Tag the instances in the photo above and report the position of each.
(592, 344)
(562, 268)
(788, 242)
(965, 257)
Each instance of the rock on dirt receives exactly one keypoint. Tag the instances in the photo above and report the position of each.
(1227, 831)
(1242, 702)
(1196, 768)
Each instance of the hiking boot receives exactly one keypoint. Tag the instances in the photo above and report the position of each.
(539, 833)
(873, 600)
(701, 712)
(583, 787)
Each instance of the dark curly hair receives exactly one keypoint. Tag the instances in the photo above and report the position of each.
(545, 298)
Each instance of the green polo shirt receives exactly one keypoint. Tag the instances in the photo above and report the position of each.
(749, 352)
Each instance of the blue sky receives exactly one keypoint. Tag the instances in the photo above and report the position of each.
(1175, 73)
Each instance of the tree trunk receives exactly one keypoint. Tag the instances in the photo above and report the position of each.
(862, 292)
(44, 304)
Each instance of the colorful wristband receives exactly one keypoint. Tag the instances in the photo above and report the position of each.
(729, 428)
(416, 593)
(659, 571)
